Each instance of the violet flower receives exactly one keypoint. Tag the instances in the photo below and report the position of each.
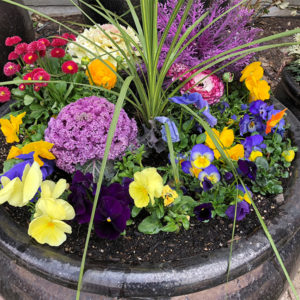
(228, 176)
(253, 142)
(193, 98)
(203, 211)
(242, 210)
(83, 190)
(111, 217)
(17, 170)
(173, 129)
(248, 168)
(211, 120)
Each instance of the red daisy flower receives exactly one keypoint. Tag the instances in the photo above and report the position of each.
(42, 53)
(58, 42)
(4, 94)
(46, 42)
(13, 56)
(69, 36)
(58, 52)
(69, 67)
(36, 88)
(28, 76)
(30, 58)
(22, 87)
(41, 75)
(32, 47)
(11, 69)
(10, 41)
(21, 48)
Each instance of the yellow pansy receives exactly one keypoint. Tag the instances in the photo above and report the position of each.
(19, 192)
(169, 195)
(254, 69)
(40, 149)
(147, 184)
(259, 89)
(226, 138)
(254, 154)
(288, 155)
(47, 225)
(10, 128)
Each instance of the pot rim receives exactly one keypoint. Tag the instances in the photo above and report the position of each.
(171, 278)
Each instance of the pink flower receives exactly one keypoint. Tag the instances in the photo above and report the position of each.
(211, 88)
(22, 87)
(36, 88)
(42, 53)
(44, 41)
(69, 36)
(32, 47)
(69, 67)
(11, 69)
(10, 41)
(43, 76)
(58, 52)
(13, 56)
(21, 48)
(30, 58)
(58, 42)
(28, 76)
(4, 94)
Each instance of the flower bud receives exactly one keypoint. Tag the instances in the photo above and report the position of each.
(288, 155)
(85, 61)
(228, 77)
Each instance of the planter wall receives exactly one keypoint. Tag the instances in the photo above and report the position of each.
(13, 21)
(288, 90)
(33, 271)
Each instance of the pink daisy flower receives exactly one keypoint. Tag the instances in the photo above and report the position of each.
(21, 48)
(13, 56)
(58, 52)
(4, 94)
(11, 69)
(30, 58)
(69, 67)
(11, 41)
(43, 76)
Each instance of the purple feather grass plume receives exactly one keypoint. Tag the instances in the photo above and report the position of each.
(221, 36)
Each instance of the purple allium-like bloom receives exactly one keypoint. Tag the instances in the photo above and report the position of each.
(111, 216)
(82, 195)
(221, 36)
(203, 211)
(242, 210)
(80, 131)
(173, 129)
(17, 170)
(248, 168)
(253, 142)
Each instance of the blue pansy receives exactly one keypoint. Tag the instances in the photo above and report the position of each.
(201, 156)
(173, 129)
(211, 173)
(254, 142)
(193, 98)
(17, 170)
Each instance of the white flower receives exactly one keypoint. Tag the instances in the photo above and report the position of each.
(104, 44)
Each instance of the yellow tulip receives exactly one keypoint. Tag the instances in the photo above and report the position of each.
(147, 185)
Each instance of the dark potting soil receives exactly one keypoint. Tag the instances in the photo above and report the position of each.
(135, 247)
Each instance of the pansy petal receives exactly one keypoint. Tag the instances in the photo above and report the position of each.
(59, 188)
(32, 182)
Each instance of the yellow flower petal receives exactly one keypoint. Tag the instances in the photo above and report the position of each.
(208, 141)
(31, 181)
(59, 188)
(227, 137)
(236, 152)
(254, 69)
(13, 152)
(6, 191)
(139, 194)
(254, 154)
(48, 231)
(47, 188)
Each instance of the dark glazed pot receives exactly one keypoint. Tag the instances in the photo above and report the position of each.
(13, 21)
(32, 271)
(288, 90)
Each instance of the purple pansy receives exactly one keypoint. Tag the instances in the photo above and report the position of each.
(111, 216)
(253, 142)
(248, 168)
(17, 170)
(242, 210)
(173, 129)
(228, 176)
(193, 98)
(201, 156)
(82, 195)
(244, 106)
(248, 124)
(260, 108)
(203, 211)
(211, 174)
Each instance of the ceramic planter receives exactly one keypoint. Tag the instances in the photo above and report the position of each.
(33, 271)
(288, 90)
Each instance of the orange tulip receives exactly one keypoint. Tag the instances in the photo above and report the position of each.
(275, 119)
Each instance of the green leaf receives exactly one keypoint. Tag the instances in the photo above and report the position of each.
(135, 211)
(186, 223)
(61, 87)
(261, 162)
(129, 222)
(18, 93)
(150, 225)
(28, 100)
(170, 227)
(201, 138)
(159, 210)
(277, 138)
(8, 164)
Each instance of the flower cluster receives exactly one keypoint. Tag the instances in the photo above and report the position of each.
(79, 132)
(252, 75)
(105, 48)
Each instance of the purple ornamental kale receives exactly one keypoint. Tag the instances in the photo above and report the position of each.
(221, 36)
(80, 131)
